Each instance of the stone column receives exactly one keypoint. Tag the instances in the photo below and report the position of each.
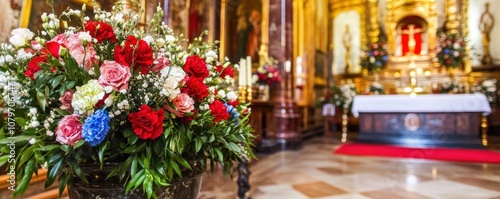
(280, 48)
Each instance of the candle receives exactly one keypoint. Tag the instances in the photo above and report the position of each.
(241, 74)
(249, 71)
(287, 66)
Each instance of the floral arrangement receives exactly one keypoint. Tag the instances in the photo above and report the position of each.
(451, 50)
(451, 86)
(376, 88)
(488, 87)
(341, 96)
(108, 90)
(375, 57)
(268, 73)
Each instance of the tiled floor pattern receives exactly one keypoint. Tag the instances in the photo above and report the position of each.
(315, 172)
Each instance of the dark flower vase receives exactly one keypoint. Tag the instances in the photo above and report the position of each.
(185, 188)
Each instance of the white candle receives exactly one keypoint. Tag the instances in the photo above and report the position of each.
(249, 71)
(241, 74)
(287, 66)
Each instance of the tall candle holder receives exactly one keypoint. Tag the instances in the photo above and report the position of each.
(345, 120)
(243, 94)
(249, 93)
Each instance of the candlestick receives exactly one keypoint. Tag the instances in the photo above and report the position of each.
(249, 71)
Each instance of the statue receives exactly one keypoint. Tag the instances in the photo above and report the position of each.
(411, 38)
(485, 26)
(346, 40)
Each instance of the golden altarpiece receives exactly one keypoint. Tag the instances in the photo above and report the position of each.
(409, 28)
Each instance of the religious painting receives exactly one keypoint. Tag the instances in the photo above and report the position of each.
(244, 20)
(347, 43)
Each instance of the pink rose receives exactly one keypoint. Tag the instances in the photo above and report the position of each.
(66, 99)
(69, 130)
(61, 39)
(183, 104)
(115, 75)
(79, 52)
(161, 63)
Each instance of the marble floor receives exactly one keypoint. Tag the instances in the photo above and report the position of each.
(315, 172)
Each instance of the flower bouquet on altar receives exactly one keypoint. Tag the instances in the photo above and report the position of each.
(451, 50)
(375, 57)
(449, 85)
(488, 87)
(267, 74)
(108, 92)
(376, 88)
(341, 96)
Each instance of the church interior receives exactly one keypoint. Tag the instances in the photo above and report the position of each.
(325, 75)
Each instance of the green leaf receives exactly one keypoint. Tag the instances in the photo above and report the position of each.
(42, 100)
(133, 167)
(136, 179)
(79, 143)
(212, 138)
(183, 162)
(65, 148)
(80, 174)
(234, 147)
(70, 84)
(20, 121)
(56, 81)
(176, 168)
(102, 148)
(132, 139)
(53, 172)
(197, 145)
(219, 154)
(28, 173)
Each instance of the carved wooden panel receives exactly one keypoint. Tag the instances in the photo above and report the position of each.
(417, 129)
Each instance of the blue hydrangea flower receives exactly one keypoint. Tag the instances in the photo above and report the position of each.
(232, 111)
(96, 127)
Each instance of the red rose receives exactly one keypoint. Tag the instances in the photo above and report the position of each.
(33, 66)
(219, 111)
(147, 123)
(136, 53)
(100, 30)
(234, 103)
(195, 88)
(226, 71)
(54, 48)
(196, 67)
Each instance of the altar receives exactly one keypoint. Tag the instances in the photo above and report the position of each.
(444, 120)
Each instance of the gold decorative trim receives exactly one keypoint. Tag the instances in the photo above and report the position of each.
(223, 39)
(264, 29)
(25, 14)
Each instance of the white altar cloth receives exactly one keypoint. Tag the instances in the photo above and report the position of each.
(476, 102)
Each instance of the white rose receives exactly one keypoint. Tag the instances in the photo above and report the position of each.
(20, 36)
(169, 38)
(148, 39)
(231, 96)
(85, 37)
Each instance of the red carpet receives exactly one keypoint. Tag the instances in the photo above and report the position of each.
(446, 154)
